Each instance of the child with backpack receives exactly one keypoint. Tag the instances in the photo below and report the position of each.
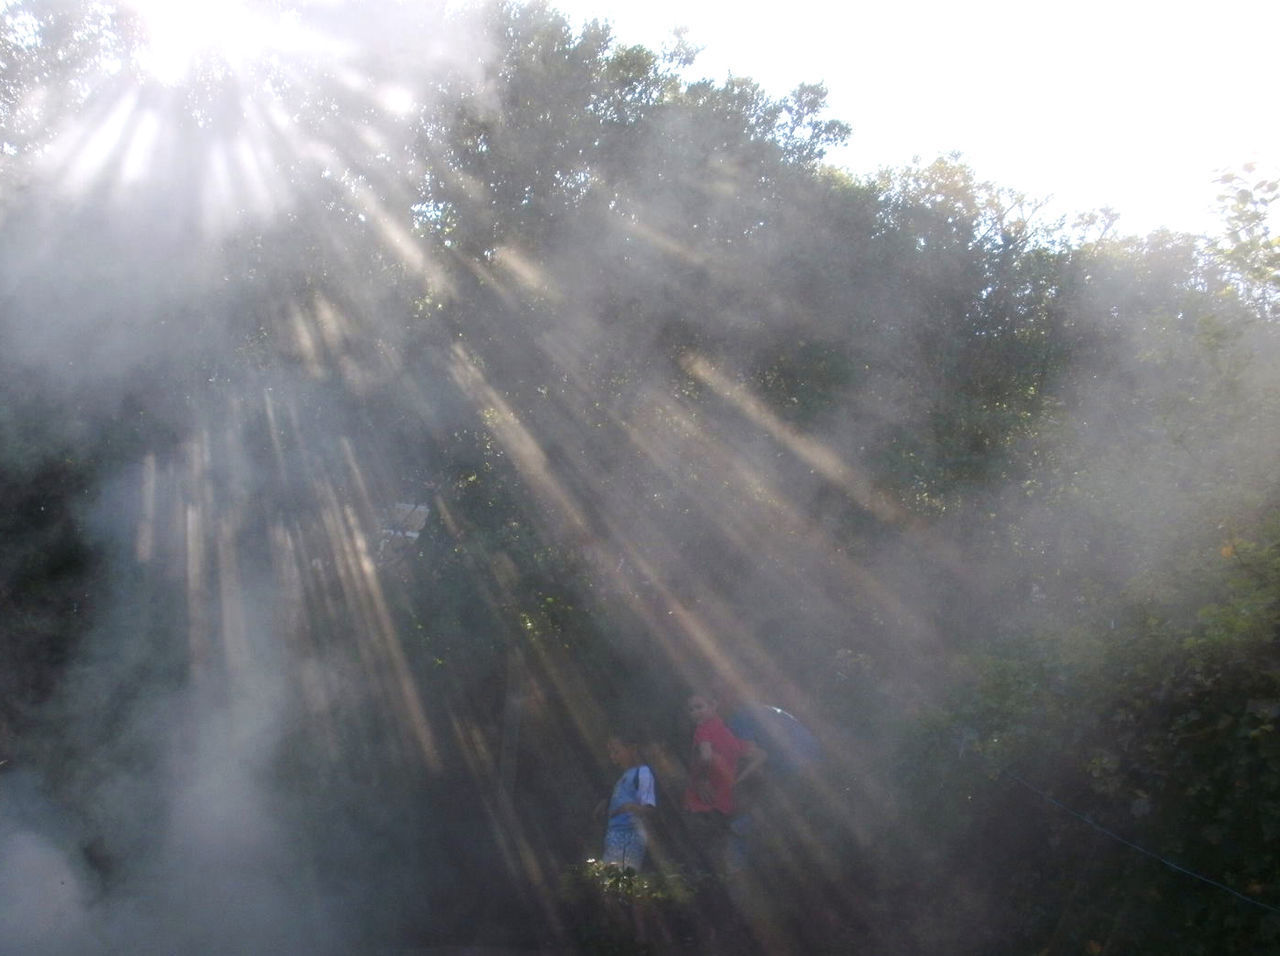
(718, 763)
(632, 801)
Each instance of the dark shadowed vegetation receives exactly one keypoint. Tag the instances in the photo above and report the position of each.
(395, 406)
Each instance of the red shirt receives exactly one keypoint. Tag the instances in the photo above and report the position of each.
(726, 751)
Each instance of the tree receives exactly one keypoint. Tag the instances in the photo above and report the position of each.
(670, 401)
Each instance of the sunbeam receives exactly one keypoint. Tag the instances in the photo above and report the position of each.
(418, 418)
(183, 38)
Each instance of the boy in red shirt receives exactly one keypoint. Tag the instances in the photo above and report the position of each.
(713, 773)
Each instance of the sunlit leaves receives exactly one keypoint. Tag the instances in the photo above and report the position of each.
(657, 377)
(1252, 248)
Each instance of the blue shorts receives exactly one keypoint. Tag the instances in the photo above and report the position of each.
(625, 846)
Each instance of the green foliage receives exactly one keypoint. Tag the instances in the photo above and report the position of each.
(1250, 249)
(1071, 439)
(617, 910)
(1161, 732)
(594, 880)
(805, 379)
(46, 562)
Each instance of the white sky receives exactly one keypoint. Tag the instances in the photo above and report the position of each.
(1130, 104)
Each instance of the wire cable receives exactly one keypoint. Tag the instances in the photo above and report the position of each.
(1129, 843)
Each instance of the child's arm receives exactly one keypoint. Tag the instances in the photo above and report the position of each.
(754, 759)
(700, 772)
(644, 795)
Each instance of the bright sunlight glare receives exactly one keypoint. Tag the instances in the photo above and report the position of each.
(182, 35)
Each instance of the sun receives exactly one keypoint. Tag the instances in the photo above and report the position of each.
(183, 35)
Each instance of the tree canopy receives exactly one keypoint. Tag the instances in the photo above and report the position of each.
(392, 410)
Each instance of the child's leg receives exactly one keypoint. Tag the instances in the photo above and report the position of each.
(633, 852)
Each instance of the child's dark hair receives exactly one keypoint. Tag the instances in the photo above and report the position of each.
(626, 736)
